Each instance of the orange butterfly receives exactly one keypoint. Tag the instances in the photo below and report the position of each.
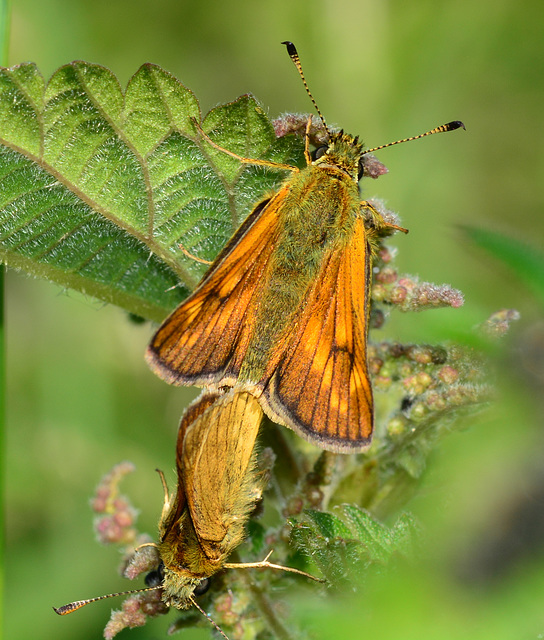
(204, 520)
(218, 486)
(283, 311)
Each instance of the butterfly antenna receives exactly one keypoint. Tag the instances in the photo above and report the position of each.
(293, 54)
(210, 619)
(450, 126)
(74, 606)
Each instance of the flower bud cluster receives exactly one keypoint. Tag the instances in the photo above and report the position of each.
(116, 517)
(116, 524)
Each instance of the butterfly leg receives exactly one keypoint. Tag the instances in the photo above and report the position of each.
(269, 565)
(256, 161)
(193, 257)
(166, 504)
(376, 220)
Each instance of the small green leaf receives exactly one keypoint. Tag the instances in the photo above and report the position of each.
(339, 560)
(328, 524)
(371, 533)
(345, 549)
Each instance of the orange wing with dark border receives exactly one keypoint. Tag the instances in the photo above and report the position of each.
(205, 339)
(321, 387)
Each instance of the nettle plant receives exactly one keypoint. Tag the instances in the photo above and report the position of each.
(110, 192)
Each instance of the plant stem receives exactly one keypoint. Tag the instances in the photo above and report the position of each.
(267, 610)
(4, 42)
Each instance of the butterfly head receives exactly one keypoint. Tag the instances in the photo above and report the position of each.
(179, 588)
(344, 152)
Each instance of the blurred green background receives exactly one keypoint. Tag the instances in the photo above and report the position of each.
(81, 399)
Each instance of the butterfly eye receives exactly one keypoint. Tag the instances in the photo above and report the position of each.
(319, 152)
(154, 578)
(361, 169)
(202, 587)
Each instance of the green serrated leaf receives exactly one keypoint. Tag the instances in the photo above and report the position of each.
(48, 232)
(374, 535)
(243, 128)
(338, 560)
(154, 100)
(21, 99)
(105, 191)
(345, 554)
(328, 524)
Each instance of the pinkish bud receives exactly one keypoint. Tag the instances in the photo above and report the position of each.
(448, 374)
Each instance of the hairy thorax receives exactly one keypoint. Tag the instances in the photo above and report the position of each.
(317, 218)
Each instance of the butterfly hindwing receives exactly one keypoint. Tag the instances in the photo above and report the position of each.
(321, 386)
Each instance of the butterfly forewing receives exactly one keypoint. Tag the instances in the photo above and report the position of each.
(175, 504)
(205, 339)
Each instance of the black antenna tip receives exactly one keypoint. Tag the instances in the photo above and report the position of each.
(456, 124)
(291, 49)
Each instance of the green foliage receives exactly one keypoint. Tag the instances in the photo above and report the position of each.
(345, 548)
(105, 191)
(68, 422)
(525, 261)
(100, 189)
